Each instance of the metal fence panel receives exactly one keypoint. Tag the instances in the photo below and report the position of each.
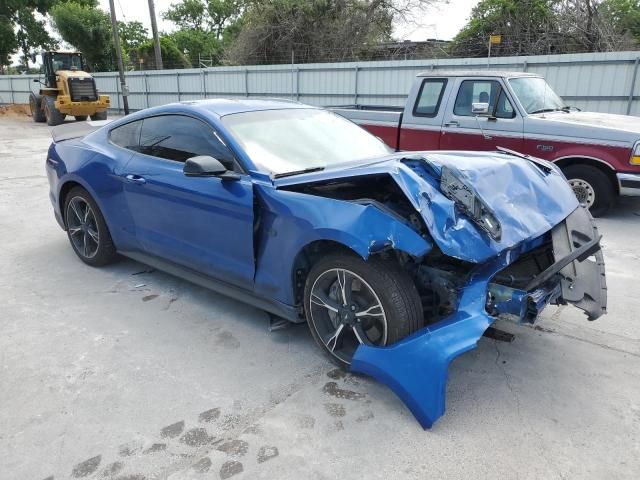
(603, 82)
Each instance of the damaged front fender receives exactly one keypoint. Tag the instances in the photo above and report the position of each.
(289, 221)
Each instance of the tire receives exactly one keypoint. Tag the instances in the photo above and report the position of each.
(99, 116)
(80, 118)
(372, 282)
(592, 187)
(52, 114)
(35, 105)
(92, 251)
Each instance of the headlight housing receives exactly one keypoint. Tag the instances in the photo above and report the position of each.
(635, 154)
(469, 203)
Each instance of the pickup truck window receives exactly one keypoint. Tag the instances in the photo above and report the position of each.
(483, 91)
(429, 97)
(535, 95)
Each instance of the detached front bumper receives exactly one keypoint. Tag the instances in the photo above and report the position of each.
(416, 367)
(629, 184)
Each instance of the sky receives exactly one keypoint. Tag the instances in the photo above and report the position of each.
(441, 22)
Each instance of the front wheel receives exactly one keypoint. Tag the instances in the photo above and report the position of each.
(349, 302)
(53, 115)
(99, 116)
(87, 230)
(592, 188)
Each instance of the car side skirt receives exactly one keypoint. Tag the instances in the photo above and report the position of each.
(273, 307)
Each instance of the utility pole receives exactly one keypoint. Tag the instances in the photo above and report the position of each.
(116, 42)
(156, 39)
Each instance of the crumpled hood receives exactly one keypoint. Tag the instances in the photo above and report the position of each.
(526, 200)
(601, 126)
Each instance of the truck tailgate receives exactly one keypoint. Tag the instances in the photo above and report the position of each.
(382, 123)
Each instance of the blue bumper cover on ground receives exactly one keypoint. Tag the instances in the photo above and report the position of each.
(416, 367)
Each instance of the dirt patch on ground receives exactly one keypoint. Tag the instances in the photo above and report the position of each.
(15, 110)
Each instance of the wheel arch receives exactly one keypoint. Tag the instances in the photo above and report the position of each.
(597, 163)
(307, 256)
(67, 186)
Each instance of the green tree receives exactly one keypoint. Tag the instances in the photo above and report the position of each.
(198, 46)
(624, 16)
(132, 35)
(172, 57)
(88, 29)
(211, 16)
(526, 27)
(22, 28)
(322, 30)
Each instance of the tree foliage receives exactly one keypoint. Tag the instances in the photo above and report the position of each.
(172, 57)
(322, 30)
(22, 28)
(530, 27)
(132, 35)
(88, 29)
(211, 16)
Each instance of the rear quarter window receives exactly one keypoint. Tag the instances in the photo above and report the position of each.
(127, 135)
(429, 97)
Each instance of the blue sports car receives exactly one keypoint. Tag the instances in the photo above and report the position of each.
(398, 261)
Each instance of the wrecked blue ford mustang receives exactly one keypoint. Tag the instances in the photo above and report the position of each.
(398, 262)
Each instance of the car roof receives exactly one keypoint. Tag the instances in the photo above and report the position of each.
(227, 106)
(476, 73)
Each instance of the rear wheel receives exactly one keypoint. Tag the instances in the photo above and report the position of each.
(53, 115)
(349, 302)
(99, 116)
(592, 188)
(87, 230)
(35, 105)
(80, 118)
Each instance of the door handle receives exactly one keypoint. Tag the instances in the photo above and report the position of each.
(452, 123)
(135, 179)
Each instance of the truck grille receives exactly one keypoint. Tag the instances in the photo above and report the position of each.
(82, 90)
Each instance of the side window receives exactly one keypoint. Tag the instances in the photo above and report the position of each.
(483, 91)
(178, 137)
(504, 109)
(429, 97)
(127, 136)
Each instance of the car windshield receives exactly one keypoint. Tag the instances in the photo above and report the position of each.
(536, 96)
(293, 140)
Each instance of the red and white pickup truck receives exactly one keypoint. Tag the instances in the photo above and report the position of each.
(598, 153)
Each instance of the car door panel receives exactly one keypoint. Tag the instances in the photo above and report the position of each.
(463, 131)
(203, 223)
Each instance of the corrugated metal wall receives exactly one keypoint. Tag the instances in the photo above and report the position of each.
(603, 82)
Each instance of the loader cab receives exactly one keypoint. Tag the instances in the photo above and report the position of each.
(57, 61)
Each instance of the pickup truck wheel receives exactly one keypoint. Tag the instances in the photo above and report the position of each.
(592, 188)
(349, 302)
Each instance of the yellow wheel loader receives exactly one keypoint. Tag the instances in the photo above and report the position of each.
(67, 90)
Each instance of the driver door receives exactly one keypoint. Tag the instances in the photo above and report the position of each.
(203, 223)
(462, 130)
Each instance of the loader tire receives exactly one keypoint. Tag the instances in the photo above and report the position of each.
(99, 116)
(53, 115)
(35, 105)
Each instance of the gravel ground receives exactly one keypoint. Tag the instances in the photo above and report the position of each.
(128, 373)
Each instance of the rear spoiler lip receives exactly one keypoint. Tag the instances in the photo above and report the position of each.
(70, 131)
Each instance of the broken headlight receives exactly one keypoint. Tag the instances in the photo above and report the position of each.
(469, 203)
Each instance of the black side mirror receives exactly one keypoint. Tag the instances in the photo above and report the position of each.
(206, 166)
